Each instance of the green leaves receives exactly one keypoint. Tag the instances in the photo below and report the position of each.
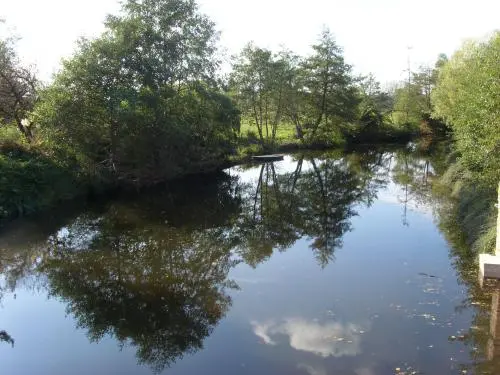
(315, 93)
(139, 104)
(260, 83)
(467, 97)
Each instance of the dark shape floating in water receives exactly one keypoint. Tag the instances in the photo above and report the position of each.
(266, 158)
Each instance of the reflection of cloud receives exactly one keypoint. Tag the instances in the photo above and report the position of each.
(329, 339)
(261, 330)
(311, 370)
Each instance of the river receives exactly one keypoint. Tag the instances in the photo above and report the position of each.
(321, 264)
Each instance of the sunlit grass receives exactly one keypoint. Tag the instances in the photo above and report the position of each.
(285, 132)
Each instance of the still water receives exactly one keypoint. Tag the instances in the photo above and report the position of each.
(321, 264)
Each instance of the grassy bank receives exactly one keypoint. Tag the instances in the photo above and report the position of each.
(472, 210)
(465, 206)
(249, 143)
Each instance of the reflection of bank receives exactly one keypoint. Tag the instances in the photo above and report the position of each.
(489, 268)
(493, 349)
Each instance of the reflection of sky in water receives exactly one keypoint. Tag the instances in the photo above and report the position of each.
(287, 165)
(374, 309)
(325, 340)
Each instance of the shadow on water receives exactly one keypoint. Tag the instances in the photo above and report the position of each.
(152, 270)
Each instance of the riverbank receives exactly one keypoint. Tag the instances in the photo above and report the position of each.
(31, 180)
(466, 206)
(35, 178)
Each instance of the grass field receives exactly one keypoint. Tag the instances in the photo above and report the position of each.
(285, 133)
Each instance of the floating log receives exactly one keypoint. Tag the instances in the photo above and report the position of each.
(267, 158)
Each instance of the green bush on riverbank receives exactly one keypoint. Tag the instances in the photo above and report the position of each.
(31, 180)
(466, 97)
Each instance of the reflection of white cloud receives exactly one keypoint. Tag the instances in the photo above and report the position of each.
(261, 330)
(329, 339)
(311, 370)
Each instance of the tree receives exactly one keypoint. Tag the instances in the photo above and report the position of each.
(412, 100)
(409, 103)
(375, 104)
(467, 97)
(328, 92)
(260, 83)
(18, 86)
(141, 102)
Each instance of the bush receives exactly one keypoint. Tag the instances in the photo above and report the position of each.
(31, 181)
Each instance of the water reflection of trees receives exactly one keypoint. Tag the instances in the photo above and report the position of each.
(316, 200)
(153, 271)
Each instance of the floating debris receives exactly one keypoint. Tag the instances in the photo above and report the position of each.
(408, 370)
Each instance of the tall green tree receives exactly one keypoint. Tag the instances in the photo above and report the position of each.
(328, 91)
(260, 82)
(141, 102)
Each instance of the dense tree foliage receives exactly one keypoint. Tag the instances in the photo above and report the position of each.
(467, 97)
(375, 105)
(329, 94)
(261, 84)
(315, 93)
(412, 99)
(140, 101)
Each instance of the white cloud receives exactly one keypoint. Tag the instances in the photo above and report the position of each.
(325, 340)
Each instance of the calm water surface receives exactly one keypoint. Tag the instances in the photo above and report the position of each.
(319, 264)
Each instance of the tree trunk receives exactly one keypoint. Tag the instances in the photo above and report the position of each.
(113, 130)
(26, 131)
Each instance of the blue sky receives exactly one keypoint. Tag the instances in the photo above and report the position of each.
(374, 34)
